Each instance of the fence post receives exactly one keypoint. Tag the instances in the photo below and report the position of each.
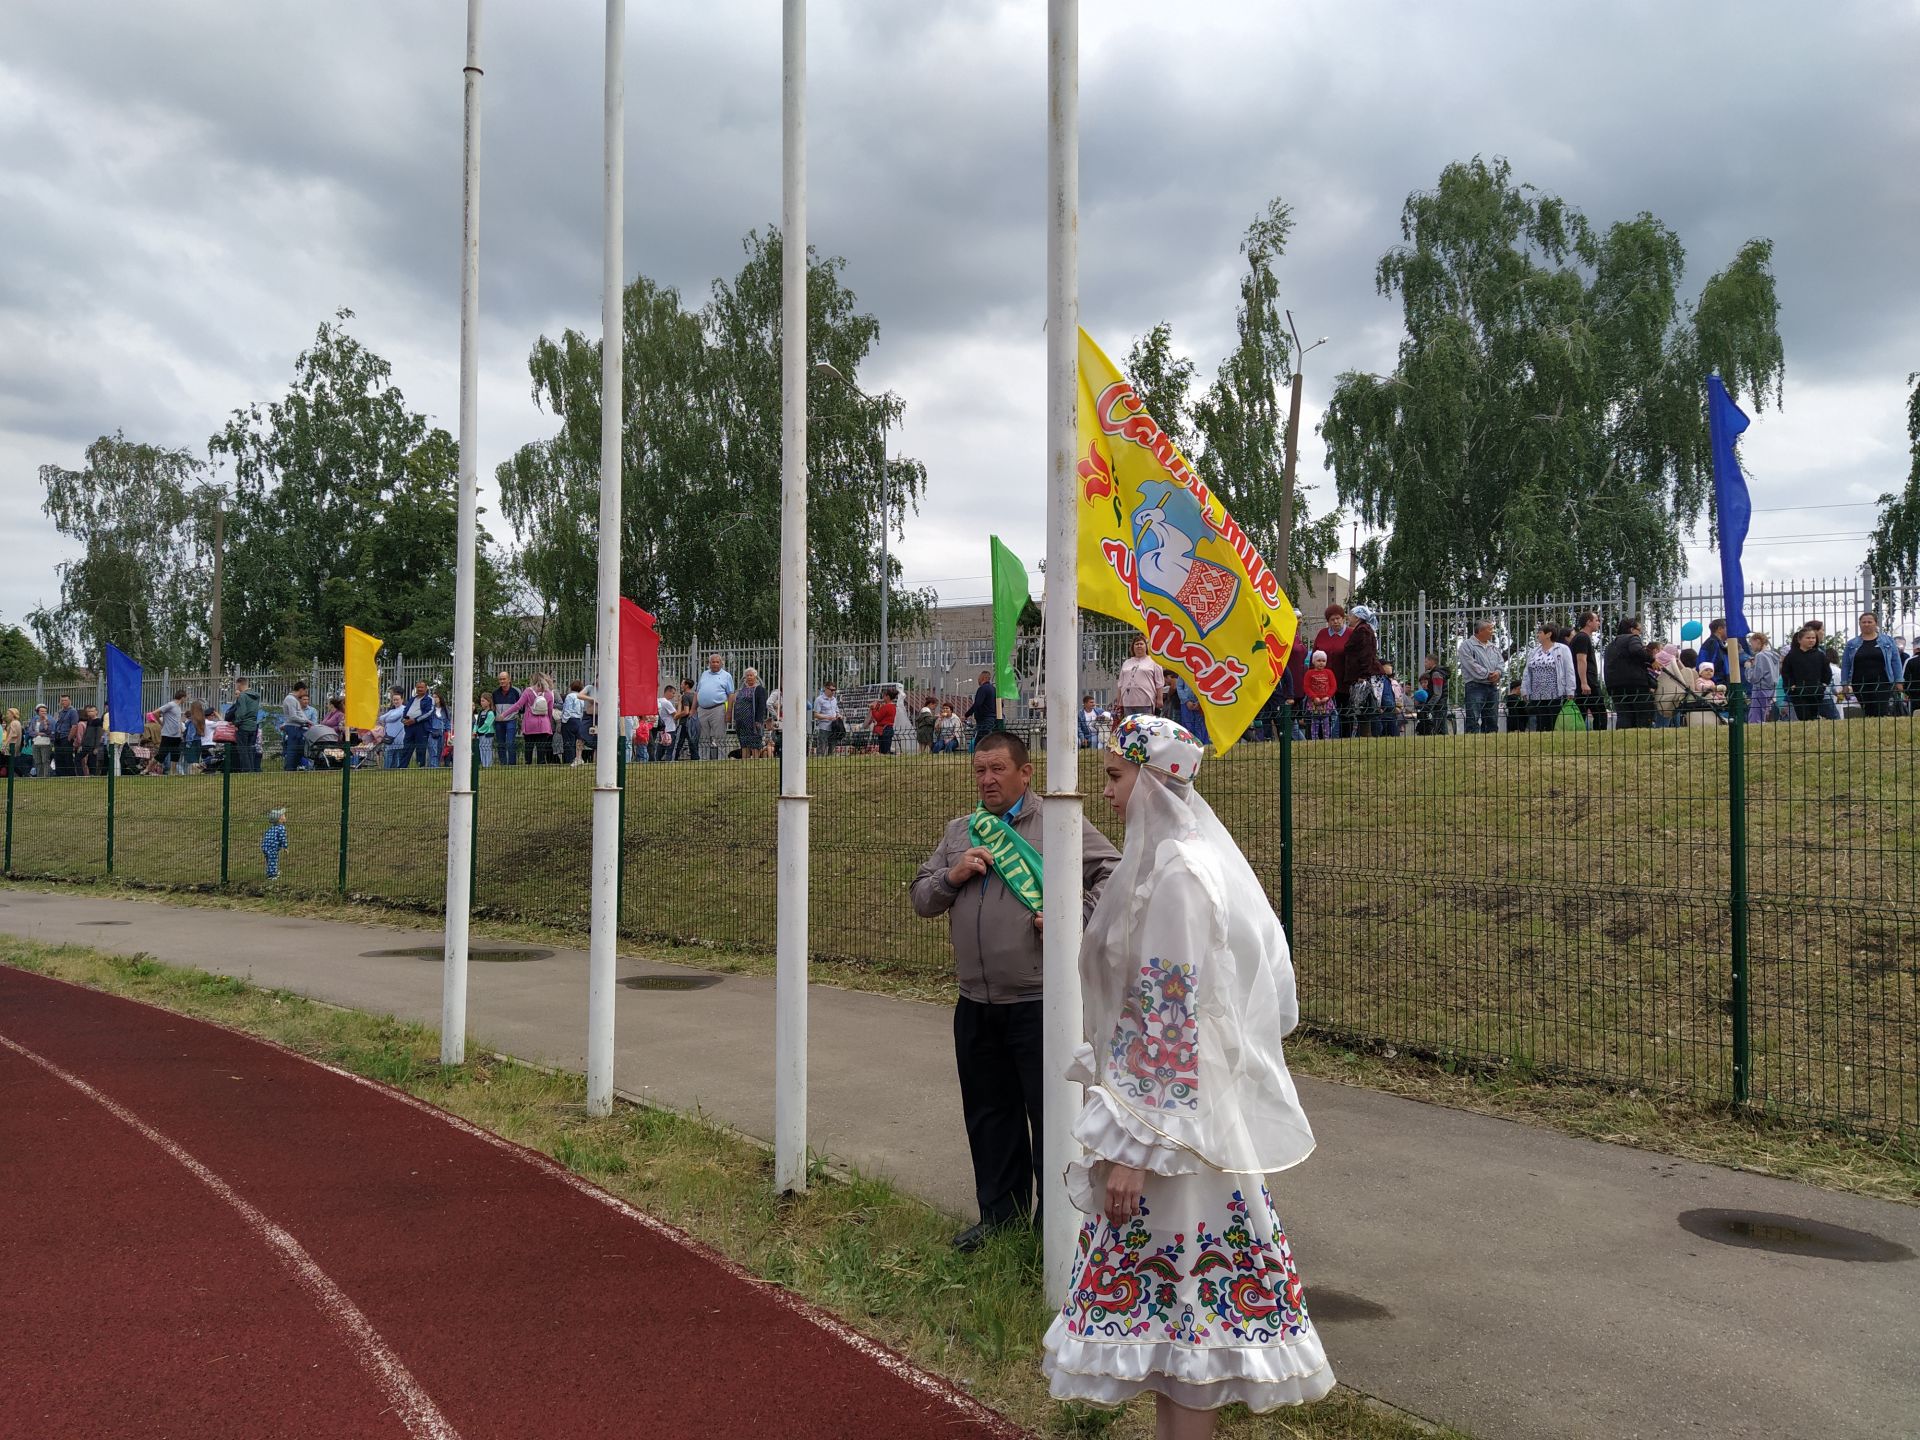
(1633, 596)
(9, 863)
(620, 846)
(473, 843)
(226, 805)
(1286, 821)
(113, 764)
(1737, 868)
(346, 810)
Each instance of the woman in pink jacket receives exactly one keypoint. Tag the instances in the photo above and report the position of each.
(536, 709)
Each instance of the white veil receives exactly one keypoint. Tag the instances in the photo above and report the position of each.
(1187, 989)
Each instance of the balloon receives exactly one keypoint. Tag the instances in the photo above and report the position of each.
(1691, 631)
(1420, 697)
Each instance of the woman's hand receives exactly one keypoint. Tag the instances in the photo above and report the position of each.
(1123, 1193)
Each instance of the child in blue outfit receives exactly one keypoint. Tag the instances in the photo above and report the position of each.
(274, 841)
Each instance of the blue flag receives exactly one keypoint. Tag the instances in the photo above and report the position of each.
(124, 711)
(1726, 422)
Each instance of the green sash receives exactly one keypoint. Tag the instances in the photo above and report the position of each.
(1017, 862)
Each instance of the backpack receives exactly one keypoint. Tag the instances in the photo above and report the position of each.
(539, 706)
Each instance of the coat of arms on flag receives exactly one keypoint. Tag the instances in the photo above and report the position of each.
(1159, 550)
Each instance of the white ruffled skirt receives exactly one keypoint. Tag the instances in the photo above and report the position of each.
(1196, 1297)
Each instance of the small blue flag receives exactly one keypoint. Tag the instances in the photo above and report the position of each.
(124, 712)
(1726, 422)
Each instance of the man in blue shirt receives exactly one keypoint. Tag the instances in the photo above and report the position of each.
(714, 690)
(64, 719)
(505, 696)
(1714, 652)
(417, 721)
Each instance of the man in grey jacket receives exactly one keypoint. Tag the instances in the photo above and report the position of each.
(1481, 665)
(997, 960)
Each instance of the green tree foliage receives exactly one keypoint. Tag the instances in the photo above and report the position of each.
(1163, 378)
(1893, 557)
(700, 464)
(1243, 416)
(1544, 430)
(1235, 431)
(141, 582)
(20, 659)
(345, 513)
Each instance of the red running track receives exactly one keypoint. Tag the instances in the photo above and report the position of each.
(203, 1235)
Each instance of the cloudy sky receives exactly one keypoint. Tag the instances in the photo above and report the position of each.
(188, 189)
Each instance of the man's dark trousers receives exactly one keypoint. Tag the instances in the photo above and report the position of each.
(999, 1050)
(1633, 709)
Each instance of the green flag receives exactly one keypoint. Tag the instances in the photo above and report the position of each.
(1010, 597)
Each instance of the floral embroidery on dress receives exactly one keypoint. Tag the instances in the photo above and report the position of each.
(1118, 1289)
(1247, 1290)
(1155, 1050)
(1249, 1286)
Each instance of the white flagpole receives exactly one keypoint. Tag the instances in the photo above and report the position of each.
(603, 917)
(453, 979)
(790, 984)
(1062, 811)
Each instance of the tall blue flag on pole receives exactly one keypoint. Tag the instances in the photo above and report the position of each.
(1726, 422)
(124, 713)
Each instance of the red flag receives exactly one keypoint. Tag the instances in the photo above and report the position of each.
(639, 661)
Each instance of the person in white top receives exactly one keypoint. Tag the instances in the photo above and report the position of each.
(826, 718)
(1138, 690)
(669, 723)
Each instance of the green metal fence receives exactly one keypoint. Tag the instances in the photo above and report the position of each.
(1722, 913)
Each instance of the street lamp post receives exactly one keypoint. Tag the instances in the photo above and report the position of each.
(1293, 455)
(832, 372)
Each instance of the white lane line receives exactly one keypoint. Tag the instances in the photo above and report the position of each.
(411, 1402)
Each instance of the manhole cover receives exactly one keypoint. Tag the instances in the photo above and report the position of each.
(1338, 1307)
(501, 953)
(670, 982)
(1790, 1235)
(106, 922)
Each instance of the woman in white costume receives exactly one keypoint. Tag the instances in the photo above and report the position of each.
(1184, 1283)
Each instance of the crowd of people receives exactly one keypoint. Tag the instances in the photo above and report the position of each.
(1572, 677)
(1339, 685)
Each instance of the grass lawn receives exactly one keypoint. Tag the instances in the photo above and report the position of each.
(1548, 906)
(856, 1246)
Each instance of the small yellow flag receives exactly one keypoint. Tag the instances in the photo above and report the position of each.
(1159, 550)
(363, 680)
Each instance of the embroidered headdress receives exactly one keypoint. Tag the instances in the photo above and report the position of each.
(1157, 743)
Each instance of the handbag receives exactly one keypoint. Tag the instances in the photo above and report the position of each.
(1570, 717)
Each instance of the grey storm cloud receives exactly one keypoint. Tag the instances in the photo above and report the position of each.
(187, 190)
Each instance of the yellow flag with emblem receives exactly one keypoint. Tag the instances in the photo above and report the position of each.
(1159, 550)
